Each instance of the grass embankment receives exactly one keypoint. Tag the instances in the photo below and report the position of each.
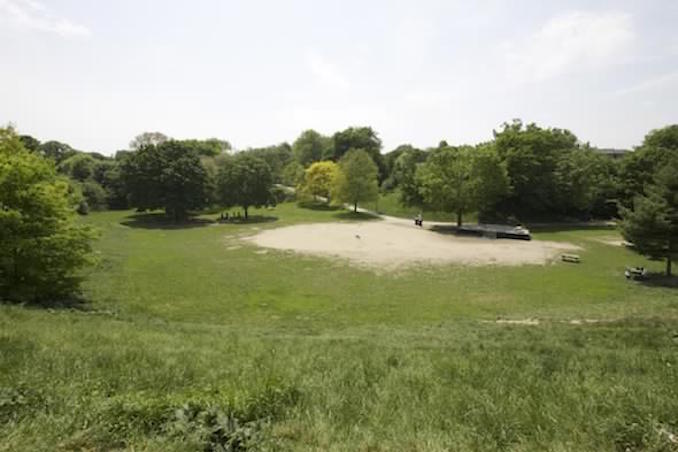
(191, 339)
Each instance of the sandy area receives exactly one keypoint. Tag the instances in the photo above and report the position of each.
(390, 245)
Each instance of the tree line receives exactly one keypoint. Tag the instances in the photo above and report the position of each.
(525, 172)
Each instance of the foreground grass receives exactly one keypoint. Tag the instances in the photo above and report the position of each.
(191, 340)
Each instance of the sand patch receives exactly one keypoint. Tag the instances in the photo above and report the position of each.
(389, 246)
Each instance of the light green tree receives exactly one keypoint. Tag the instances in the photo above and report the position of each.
(356, 179)
(318, 179)
(42, 246)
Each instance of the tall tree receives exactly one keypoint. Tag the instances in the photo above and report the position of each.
(356, 180)
(490, 181)
(404, 176)
(42, 247)
(531, 155)
(445, 180)
(639, 167)
(148, 139)
(245, 180)
(318, 179)
(79, 167)
(56, 151)
(311, 147)
(168, 176)
(277, 157)
(652, 224)
(364, 138)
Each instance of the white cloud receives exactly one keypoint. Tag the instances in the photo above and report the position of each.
(326, 73)
(570, 43)
(33, 15)
(653, 83)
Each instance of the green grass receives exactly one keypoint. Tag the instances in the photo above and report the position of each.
(191, 339)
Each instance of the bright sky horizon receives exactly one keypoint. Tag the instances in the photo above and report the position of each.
(95, 74)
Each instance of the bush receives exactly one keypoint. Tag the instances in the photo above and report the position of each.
(41, 245)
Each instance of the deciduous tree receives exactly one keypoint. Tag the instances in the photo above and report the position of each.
(356, 179)
(245, 180)
(42, 247)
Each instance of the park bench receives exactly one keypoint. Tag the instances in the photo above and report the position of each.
(635, 273)
(574, 258)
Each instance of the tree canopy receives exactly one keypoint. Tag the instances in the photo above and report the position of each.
(651, 225)
(318, 179)
(148, 139)
(245, 180)
(168, 176)
(356, 180)
(42, 247)
(311, 147)
(364, 138)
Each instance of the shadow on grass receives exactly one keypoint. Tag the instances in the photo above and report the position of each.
(252, 219)
(564, 227)
(318, 205)
(446, 229)
(73, 302)
(355, 216)
(660, 280)
(160, 221)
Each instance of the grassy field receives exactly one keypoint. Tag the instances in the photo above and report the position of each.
(190, 339)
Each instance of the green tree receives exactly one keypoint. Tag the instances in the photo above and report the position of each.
(639, 167)
(293, 174)
(652, 224)
(489, 179)
(277, 157)
(404, 176)
(245, 180)
(356, 179)
(209, 148)
(168, 176)
(42, 247)
(364, 138)
(531, 155)
(30, 143)
(79, 166)
(148, 139)
(318, 179)
(311, 147)
(445, 180)
(56, 151)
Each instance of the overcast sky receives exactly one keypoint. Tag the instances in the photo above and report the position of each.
(96, 73)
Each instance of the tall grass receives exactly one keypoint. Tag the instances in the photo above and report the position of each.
(192, 340)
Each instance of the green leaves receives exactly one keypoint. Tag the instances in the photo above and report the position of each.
(169, 175)
(245, 180)
(356, 180)
(41, 245)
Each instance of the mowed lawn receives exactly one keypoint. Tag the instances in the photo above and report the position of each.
(191, 339)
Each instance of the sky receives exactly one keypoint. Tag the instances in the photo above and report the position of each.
(96, 73)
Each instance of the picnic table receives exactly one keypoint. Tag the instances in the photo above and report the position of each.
(573, 258)
(635, 273)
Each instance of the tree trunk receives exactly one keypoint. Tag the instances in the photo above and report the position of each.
(668, 265)
(245, 213)
(355, 207)
(459, 214)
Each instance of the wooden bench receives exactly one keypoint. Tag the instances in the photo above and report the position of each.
(573, 258)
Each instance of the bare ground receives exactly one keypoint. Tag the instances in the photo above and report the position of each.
(390, 245)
